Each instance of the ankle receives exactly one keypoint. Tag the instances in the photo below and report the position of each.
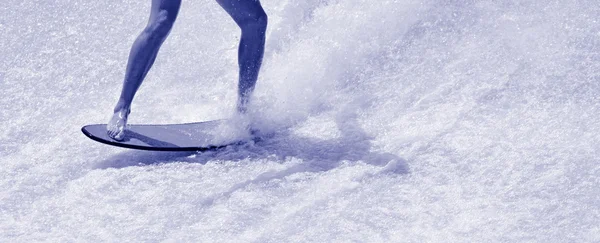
(122, 108)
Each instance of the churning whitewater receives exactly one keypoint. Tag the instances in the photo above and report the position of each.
(390, 121)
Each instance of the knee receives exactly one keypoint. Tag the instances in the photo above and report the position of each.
(261, 19)
(160, 26)
(255, 22)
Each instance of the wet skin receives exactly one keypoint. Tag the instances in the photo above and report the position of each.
(247, 14)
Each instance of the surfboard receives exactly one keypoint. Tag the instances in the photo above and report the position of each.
(199, 136)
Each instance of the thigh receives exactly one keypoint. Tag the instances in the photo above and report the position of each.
(243, 10)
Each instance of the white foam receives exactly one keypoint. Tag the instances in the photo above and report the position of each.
(387, 121)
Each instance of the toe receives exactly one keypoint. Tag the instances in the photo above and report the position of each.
(109, 133)
(119, 136)
(113, 133)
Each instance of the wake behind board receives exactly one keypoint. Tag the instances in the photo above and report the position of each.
(200, 136)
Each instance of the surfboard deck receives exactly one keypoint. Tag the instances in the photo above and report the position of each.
(199, 136)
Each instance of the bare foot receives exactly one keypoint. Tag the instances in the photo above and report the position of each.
(116, 126)
(241, 108)
(242, 104)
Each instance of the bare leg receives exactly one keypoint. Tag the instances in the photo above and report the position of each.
(252, 19)
(143, 53)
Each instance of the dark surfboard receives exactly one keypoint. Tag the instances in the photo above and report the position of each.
(198, 136)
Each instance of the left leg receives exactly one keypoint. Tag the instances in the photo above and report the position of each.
(142, 55)
(252, 19)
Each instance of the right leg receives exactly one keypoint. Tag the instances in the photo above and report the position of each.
(143, 53)
(252, 19)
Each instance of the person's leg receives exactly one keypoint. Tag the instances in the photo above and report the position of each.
(252, 19)
(143, 53)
